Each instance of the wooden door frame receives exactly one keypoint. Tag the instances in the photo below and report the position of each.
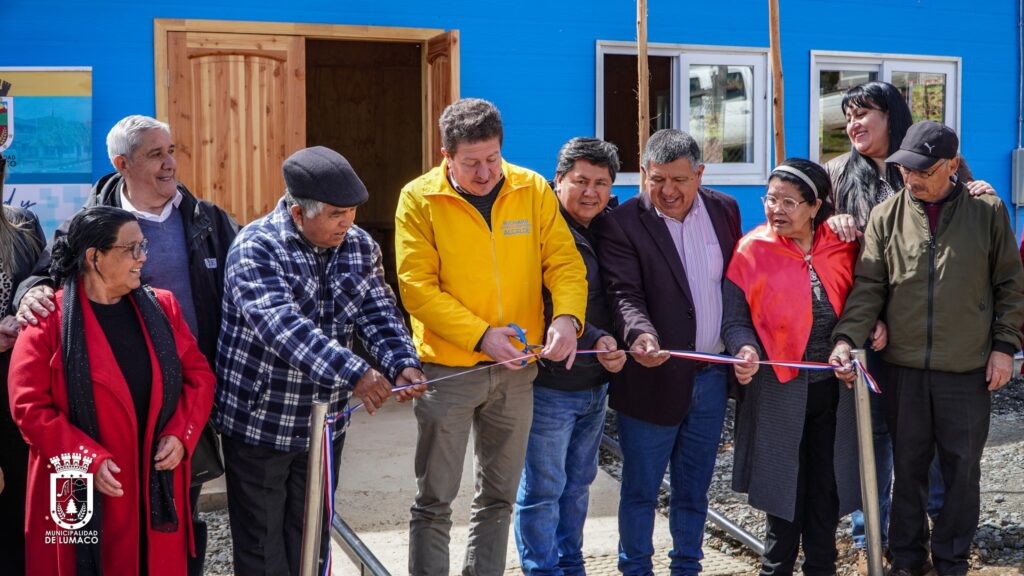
(162, 78)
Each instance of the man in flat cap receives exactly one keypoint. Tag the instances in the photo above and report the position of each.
(299, 281)
(942, 267)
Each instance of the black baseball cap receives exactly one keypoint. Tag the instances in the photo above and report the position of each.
(926, 143)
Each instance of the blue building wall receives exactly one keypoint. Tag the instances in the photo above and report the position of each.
(535, 59)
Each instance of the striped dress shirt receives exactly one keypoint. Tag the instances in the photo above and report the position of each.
(701, 256)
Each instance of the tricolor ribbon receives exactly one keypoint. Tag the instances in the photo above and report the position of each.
(329, 483)
(346, 415)
(723, 359)
(346, 418)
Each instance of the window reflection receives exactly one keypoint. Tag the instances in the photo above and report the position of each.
(721, 112)
(925, 93)
(832, 138)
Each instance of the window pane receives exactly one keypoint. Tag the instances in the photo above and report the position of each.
(925, 93)
(721, 112)
(832, 139)
(621, 102)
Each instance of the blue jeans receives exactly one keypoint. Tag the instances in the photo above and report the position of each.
(561, 463)
(883, 474)
(689, 449)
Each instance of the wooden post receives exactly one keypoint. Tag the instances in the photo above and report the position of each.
(643, 81)
(777, 89)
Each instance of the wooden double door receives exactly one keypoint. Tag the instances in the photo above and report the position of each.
(240, 97)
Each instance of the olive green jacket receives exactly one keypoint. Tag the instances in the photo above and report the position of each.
(947, 299)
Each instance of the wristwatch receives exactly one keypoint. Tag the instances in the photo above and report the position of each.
(576, 323)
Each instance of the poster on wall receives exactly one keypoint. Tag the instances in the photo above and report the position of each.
(46, 137)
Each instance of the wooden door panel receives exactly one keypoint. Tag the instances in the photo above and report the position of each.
(237, 110)
(442, 88)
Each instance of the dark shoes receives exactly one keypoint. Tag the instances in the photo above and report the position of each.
(925, 570)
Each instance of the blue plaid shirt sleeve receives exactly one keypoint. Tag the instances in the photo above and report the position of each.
(380, 325)
(256, 284)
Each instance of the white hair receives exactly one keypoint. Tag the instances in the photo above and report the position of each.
(126, 136)
(310, 207)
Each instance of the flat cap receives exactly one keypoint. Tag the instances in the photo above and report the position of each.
(319, 173)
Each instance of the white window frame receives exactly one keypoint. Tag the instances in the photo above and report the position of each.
(684, 55)
(884, 65)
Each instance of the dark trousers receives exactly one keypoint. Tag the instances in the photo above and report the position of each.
(266, 500)
(197, 565)
(14, 463)
(933, 412)
(817, 498)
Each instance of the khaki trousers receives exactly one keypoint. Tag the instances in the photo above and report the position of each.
(497, 405)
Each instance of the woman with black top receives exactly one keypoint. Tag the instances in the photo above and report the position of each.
(796, 454)
(112, 380)
(21, 239)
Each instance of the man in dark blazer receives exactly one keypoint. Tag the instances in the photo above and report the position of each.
(663, 255)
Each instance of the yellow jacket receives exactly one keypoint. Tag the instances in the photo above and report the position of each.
(457, 277)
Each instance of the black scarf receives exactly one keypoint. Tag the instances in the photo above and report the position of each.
(82, 407)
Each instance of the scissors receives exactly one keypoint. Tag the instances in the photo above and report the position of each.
(527, 347)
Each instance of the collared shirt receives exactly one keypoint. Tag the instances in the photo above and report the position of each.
(164, 214)
(290, 314)
(701, 256)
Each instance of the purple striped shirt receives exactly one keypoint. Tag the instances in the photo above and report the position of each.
(701, 256)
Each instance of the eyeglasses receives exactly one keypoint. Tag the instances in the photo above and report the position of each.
(137, 249)
(921, 173)
(788, 204)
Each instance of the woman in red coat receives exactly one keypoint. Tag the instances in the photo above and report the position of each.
(111, 394)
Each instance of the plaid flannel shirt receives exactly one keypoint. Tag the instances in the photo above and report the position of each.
(289, 318)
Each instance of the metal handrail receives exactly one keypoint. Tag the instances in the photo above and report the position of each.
(356, 549)
(730, 527)
(310, 555)
(868, 479)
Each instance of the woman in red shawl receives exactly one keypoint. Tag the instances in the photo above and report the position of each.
(111, 393)
(796, 453)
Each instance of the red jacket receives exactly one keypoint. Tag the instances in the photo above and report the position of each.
(39, 404)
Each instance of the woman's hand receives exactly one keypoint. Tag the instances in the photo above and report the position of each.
(979, 188)
(745, 372)
(106, 484)
(879, 336)
(8, 333)
(845, 226)
(169, 453)
(35, 304)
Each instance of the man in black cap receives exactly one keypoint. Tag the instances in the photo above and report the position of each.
(299, 281)
(943, 268)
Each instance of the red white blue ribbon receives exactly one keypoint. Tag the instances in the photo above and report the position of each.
(329, 484)
(723, 359)
(346, 415)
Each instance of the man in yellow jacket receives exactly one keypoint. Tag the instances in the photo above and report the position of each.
(476, 239)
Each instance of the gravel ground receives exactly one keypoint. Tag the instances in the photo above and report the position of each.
(998, 546)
